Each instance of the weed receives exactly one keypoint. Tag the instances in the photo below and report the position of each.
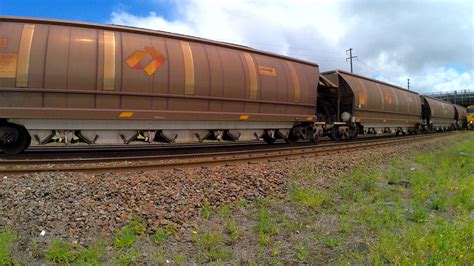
(265, 224)
(302, 253)
(307, 198)
(128, 257)
(243, 203)
(346, 228)
(368, 183)
(35, 248)
(180, 259)
(60, 252)
(275, 252)
(365, 178)
(264, 239)
(209, 247)
(160, 235)
(290, 226)
(206, 211)
(331, 243)
(419, 214)
(92, 255)
(161, 256)
(439, 202)
(233, 231)
(225, 211)
(8, 238)
(127, 236)
(317, 237)
(171, 230)
(348, 192)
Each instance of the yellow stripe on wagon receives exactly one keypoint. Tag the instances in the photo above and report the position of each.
(109, 61)
(24, 52)
(244, 117)
(126, 114)
(188, 68)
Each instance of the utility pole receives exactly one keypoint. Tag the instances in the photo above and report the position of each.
(408, 83)
(350, 58)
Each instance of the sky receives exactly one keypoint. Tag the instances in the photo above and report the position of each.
(429, 41)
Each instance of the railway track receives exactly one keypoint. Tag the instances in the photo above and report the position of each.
(197, 159)
(99, 152)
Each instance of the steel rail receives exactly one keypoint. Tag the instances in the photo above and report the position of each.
(154, 162)
(52, 153)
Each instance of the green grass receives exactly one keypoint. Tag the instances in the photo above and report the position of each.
(64, 253)
(302, 253)
(426, 220)
(127, 257)
(416, 210)
(206, 211)
(209, 246)
(161, 256)
(225, 211)
(233, 230)
(179, 259)
(266, 224)
(243, 203)
(8, 238)
(160, 235)
(127, 236)
(92, 255)
(264, 239)
(61, 252)
(306, 197)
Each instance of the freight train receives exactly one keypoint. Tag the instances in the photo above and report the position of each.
(78, 83)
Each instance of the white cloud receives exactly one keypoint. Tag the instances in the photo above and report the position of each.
(391, 41)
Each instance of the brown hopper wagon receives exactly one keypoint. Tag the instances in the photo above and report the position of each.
(461, 116)
(85, 83)
(438, 114)
(360, 104)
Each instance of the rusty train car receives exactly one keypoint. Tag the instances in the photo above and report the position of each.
(460, 116)
(438, 114)
(365, 105)
(77, 82)
(355, 104)
(81, 83)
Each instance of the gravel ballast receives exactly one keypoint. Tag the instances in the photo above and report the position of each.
(80, 207)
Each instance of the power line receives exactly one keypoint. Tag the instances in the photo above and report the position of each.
(350, 57)
(377, 71)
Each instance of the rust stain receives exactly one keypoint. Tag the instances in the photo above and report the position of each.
(8, 65)
(3, 43)
(296, 81)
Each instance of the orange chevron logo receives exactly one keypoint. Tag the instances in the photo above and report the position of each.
(134, 61)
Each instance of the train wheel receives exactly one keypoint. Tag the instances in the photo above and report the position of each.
(268, 139)
(23, 141)
(314, 137)
(291, 139)
(353, 132)
(335, 134)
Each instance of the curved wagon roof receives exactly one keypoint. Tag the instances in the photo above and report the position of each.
(137, 30)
